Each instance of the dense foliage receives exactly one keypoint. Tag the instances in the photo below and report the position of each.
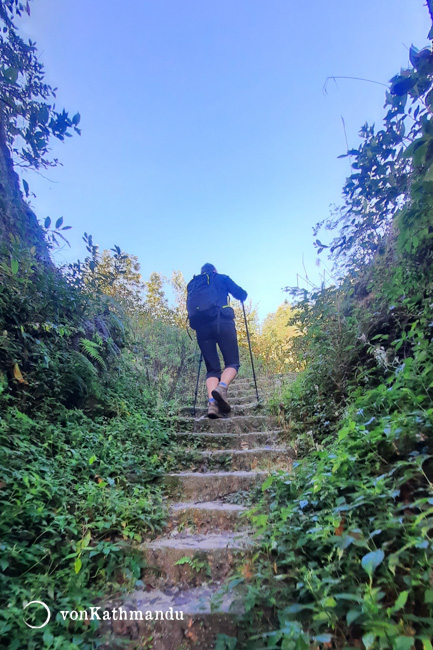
(86, 392)
(346, 543)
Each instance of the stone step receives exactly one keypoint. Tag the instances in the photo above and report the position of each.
(187, 619)
(267, 458)
(210, 516)
(251, 389)
(232, 459)
(194, 486)
(236, 424)
(201, 526)
(246, 408)
(234, 398)
(247, 382)
(247, 398)
(263, 384)
(248, 390)
(191, 560)
(265, 379)
(229, 440)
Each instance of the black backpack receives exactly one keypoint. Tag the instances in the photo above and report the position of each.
(202, 300)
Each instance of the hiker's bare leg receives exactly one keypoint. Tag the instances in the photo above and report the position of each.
(211, 384)
(228, 375)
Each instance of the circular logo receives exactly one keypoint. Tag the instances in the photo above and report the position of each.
(38, 602)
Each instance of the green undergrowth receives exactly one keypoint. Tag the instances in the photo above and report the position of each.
(86, 406)
(346, 550)
(75, 494)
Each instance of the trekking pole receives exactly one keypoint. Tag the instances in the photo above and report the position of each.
(251, 352)
(196, 386)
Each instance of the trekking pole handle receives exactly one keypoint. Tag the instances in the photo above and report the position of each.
(251, 352)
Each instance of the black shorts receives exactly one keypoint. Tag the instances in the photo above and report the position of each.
(208, 336)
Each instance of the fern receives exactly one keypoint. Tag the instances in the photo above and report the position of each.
(93, 350)
(98, 340)
(184, 560)
(196, 564)
(80, 359)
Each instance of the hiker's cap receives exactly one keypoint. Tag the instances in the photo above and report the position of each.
(208, 268)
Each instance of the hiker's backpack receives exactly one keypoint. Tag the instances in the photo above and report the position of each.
(202, 300)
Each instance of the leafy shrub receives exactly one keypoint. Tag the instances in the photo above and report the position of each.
(74, 492)
(346, 540)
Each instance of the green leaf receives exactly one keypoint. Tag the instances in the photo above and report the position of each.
(76, 119)
(352, 615)
(345, 596)
(426, 643)
(48, 639)
(371, 561)
(86, 540)
(267, 483)
(428, 596)
(26, 186)
(428, 176)
(329, 602)
(321, 616)
(401, 85)
(14, 266)
(47, 222)
(224, 642)
(400, 602)
(420, 154)
(368, 640)
(408, 152)
(11, 75)
(297, 607)
(77, 565)
(92, 460)
(59, 223)
(403, 643)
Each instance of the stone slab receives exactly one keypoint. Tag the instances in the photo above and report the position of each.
(193, 486)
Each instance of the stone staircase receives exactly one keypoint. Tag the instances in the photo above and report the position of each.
(221, 463)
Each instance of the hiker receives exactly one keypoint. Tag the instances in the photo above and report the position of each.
(212, 317)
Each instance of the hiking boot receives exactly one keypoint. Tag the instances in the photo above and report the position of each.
(213, 411)
(220, 396)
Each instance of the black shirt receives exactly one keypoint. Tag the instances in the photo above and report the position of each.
(225, 285)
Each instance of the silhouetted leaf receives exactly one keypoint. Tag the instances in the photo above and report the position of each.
(371, 561)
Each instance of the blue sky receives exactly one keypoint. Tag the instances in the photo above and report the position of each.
(207, 136)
